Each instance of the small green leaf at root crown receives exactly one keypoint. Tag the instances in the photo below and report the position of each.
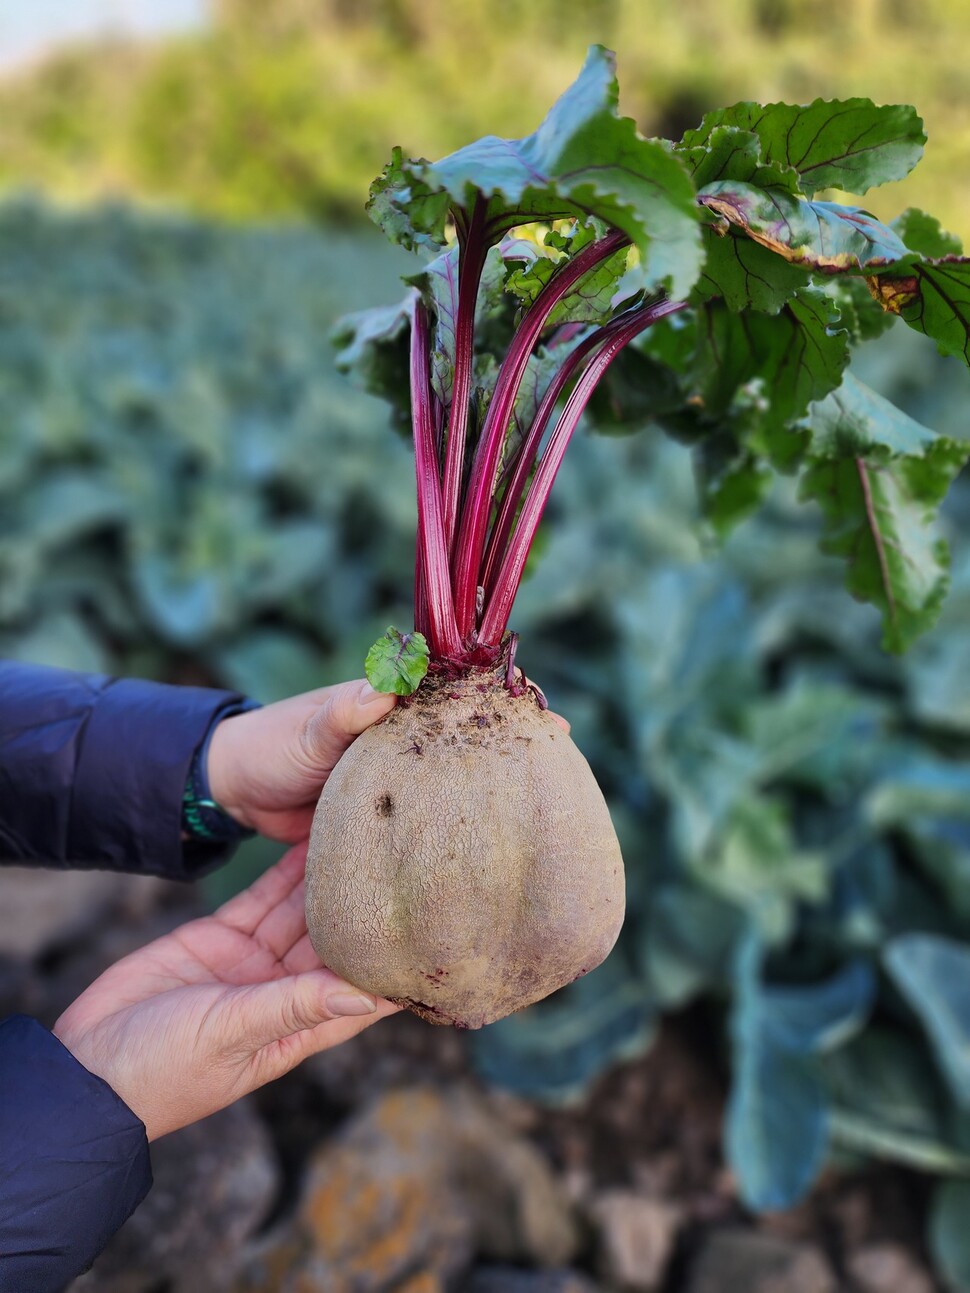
(397, 662)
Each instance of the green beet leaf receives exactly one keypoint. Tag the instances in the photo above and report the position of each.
(797, 356)
(372, 346)
(590, 301)
(397, 662)
(880, 506)
(584, 160)
(850, 144)
(820, 236)
(732, 154)
(746, 275)
(854, 420)
(934, 298)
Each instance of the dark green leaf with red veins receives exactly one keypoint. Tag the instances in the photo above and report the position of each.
(798, 356)
(397, 662)
(851, 144)
(372, 346)
(821, 236)
(583, 160)
(933, 296)
(745, 275)
(733, 154)
(879, 513)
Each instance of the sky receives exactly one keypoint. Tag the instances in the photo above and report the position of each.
(30, 28)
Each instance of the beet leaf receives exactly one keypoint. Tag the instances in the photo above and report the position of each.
(585, 271)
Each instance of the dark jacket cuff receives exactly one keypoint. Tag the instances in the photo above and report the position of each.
(74, 1161)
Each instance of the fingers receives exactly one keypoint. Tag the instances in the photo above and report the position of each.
(268, 1012)
(349, 708)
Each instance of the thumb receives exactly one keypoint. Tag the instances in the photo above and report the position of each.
(269, 1012)
(348, 710)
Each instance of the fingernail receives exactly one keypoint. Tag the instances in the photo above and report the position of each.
(367, 695)
(350, 1003)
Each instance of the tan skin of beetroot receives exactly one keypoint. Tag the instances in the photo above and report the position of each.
(462, 860)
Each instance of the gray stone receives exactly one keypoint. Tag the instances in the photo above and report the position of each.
(757, 1263)
(636, 1238)
(215, 1183)
(881, 1268)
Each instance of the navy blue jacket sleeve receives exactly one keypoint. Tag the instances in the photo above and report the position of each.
(92, 770)
(74, 1161)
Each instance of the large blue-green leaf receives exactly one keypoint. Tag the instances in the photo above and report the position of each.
(927, 802)
(887, 1102)
(551, 1051)
(754, 862)
(687, 943)
(583, 160)
(776, 1132)
(933, 974)
(777, 1121)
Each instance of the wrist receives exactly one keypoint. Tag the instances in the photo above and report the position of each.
(211, 811)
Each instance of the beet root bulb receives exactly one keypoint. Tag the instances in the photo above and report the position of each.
(462, 860)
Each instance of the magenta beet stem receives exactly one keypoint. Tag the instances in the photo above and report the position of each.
(509, 575)
(470, 544)
(432, 550)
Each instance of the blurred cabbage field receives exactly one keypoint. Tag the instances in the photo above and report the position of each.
(189, 491)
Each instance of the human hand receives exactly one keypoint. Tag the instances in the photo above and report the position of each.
(217, 1008)
(267, 767)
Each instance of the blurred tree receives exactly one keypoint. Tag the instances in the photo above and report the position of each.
(293, 107)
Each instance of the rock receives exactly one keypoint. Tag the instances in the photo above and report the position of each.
(214, 1185)
(273, 1262)
(426, 1181)
(508, 1279)
(879, 1268)
(758, 1263)
(636, 1238)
